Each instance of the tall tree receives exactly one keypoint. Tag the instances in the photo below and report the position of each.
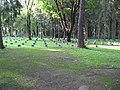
(1, 40)
(81, 25)
(29, 5)
(67, 10)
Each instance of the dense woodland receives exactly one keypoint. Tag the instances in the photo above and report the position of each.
(79, 19)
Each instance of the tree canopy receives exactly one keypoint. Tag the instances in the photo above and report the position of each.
(34, 16)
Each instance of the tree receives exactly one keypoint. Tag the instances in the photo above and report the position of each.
(1, 40)
(29, 5)
(67, 12)
(11, 10)
(81, 25)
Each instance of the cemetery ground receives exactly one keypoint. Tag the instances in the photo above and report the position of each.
(49, 64)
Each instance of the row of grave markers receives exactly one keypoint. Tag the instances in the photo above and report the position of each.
(58, 42)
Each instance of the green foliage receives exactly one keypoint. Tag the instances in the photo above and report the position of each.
(91, 5)
(20, 22)
(66, 10)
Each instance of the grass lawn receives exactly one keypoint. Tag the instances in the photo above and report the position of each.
(58, 66)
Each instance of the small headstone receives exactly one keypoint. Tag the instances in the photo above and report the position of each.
(73, 41)
(94, 42)
(71, 45)
(110, 43)
(87, 42)
(44, 42)
(5, 45)
(25, 41)
(22, 43)
(59, 45)
(96, 45)
(19, 45)
(11, 43)
(15, 41)
(32, 45)
(46, 45)
(6, 41)
(102, 42)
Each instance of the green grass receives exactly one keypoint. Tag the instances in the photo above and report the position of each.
(18, 63)
(97, 57)
(111, 83)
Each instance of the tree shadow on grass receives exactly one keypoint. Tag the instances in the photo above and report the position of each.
(13, 81)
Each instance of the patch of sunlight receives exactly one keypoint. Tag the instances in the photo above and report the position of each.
(15, 46)
(23, 46)
(107, 47)
(54, 50)
(35, 62)
(24, 81)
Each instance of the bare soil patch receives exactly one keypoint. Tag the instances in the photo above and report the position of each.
(60, 80)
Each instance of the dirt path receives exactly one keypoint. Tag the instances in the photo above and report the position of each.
(60, 80)
(64, 79)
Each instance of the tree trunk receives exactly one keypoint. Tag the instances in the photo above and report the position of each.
(81, 25)
(64, 35)
(41, 32)
(58, 29)
(114, 29)
(5, 31)
(118, 31)
(68, 36)
(86, 31)
(113, 11)
(54, 33)
(55, 28)
(1, 40)
(108, 28)
(37, 31)
(52, 28)
(105, 18)
(28, 26)
(12, 29)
